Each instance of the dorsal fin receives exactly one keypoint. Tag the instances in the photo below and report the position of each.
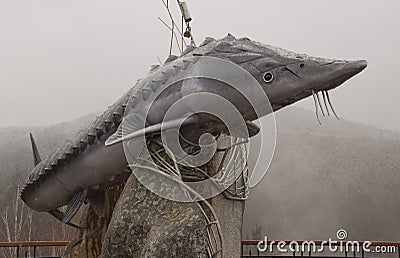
(207, 41)
(154, 67)
(36, 155)
(230, 37)
(170, 59)
(188, 50)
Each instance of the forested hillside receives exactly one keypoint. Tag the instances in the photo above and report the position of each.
(322, 178)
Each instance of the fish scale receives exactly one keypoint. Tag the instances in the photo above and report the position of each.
(81, 140)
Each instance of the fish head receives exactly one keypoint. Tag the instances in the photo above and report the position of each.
(286, 77)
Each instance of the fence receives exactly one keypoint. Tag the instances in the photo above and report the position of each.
(250, 249)
(26, 246)
(318, 248)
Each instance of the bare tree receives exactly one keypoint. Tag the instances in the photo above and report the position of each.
(20, 223)
(16, 221)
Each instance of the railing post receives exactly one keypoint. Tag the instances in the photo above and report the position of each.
(294, 252)
(26, 248)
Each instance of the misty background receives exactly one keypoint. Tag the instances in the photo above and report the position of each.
(64, 62)
(63, 59)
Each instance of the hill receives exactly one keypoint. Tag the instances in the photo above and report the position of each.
(322, 178)
(15, 148)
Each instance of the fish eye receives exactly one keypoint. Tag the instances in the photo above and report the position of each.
(268, 77)
(301, 65)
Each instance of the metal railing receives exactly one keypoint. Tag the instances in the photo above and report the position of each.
(249, 249)
(293, 248)
(35, 245)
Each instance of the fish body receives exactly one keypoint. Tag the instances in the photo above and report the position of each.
(85, 167)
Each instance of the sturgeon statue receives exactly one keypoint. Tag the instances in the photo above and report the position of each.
(83, 169)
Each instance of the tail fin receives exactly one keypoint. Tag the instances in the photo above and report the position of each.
(36, 155)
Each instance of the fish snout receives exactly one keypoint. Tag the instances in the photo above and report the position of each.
(338, 72)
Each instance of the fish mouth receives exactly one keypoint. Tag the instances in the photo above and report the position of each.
(331, 75)
(343, 72)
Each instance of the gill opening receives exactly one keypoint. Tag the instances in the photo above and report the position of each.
(327, 101)
(292, 72)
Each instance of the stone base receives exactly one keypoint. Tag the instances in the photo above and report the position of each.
(146, 225)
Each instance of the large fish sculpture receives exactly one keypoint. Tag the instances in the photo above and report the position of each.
(83, 169)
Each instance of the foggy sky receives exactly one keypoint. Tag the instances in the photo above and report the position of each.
(60, 60)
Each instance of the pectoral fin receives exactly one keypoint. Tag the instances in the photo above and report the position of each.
(130, 124)
(99, 201)
(252, 128)
(76, 202)
(132, 127)
(60, 216)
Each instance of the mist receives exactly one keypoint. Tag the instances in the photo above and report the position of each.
(61, 60)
